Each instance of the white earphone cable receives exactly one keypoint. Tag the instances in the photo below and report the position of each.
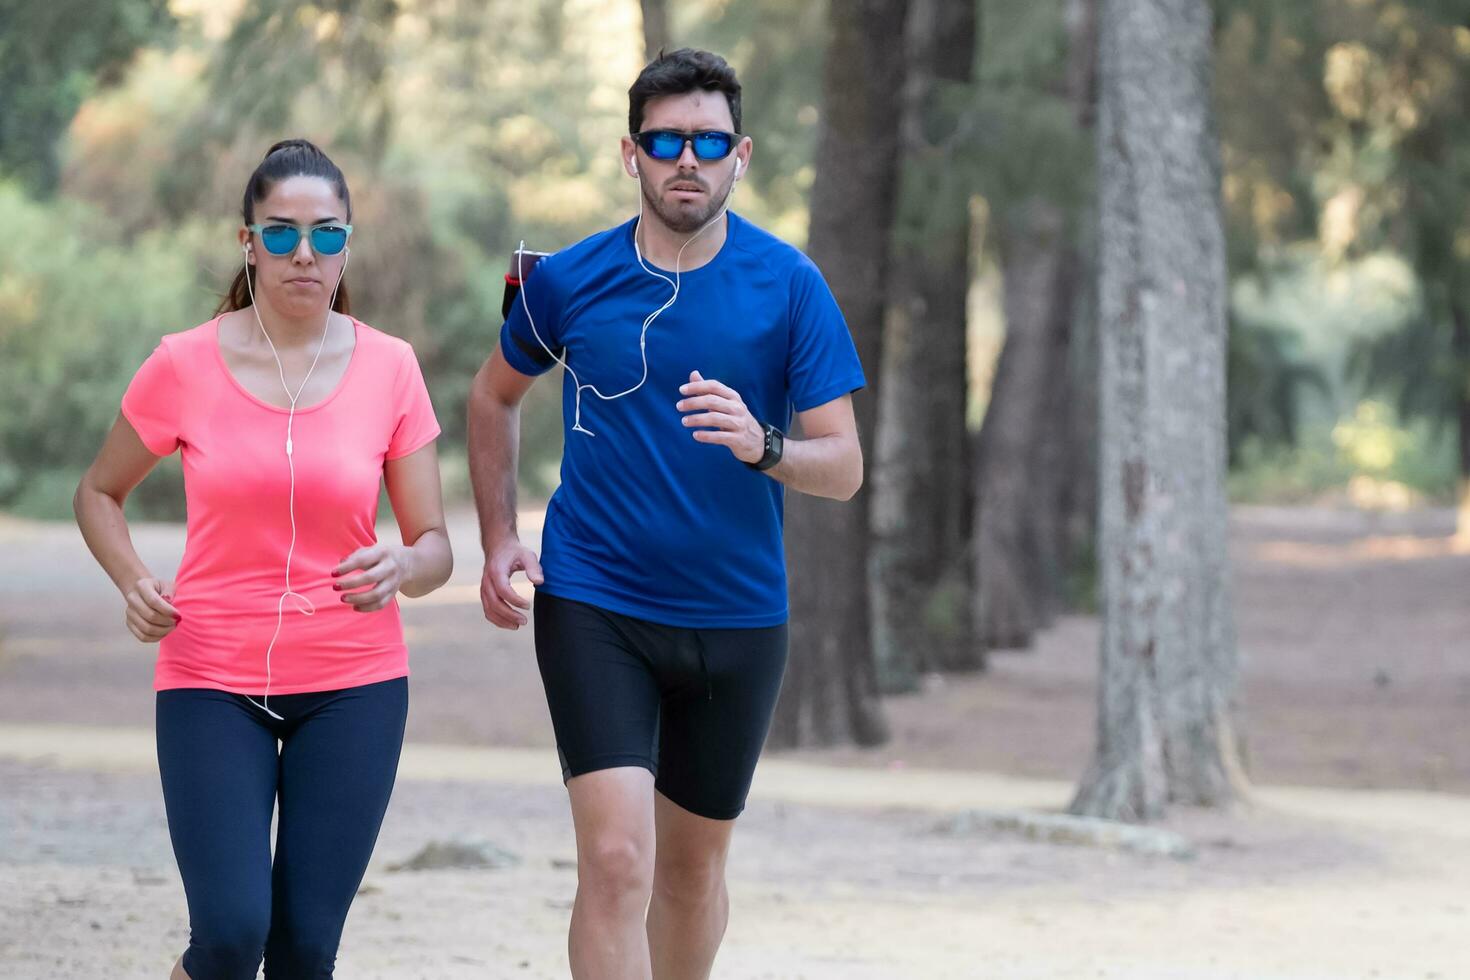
(303, 604)
(648, 321)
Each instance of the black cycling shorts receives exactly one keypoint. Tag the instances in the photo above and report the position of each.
(692, 706)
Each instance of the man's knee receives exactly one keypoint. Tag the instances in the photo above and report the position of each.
(616, 865)
(692, 878)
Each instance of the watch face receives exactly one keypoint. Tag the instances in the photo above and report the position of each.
(775, 441)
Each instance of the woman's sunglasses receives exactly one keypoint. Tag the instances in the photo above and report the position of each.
(329, 238)
(668, 144)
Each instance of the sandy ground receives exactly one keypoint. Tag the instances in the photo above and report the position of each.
(1353, 860)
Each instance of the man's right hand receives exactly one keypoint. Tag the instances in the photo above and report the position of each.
(501, 602)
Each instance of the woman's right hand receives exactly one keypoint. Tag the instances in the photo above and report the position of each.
(150, 615)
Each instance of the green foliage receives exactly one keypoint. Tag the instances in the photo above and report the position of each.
(1301, 474)
(79, 311)
(776, 47)
(1374, 445)
(463, 127)
(1419, 367)
(1425, 366)
(1345, 125)
(1266, 380)
(1270, 106)
(1020, 137)
(53, 55)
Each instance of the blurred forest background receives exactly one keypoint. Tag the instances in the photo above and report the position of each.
(128, 128)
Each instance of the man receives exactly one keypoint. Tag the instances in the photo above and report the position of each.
(689, 335)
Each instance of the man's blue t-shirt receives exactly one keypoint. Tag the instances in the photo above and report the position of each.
(648, 522)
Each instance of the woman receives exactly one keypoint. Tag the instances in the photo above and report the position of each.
(282, 671)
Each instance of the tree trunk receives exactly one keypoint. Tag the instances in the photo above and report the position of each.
(1066, 518)
(656, 36)
(1068, 528)
(1022, 529)
(1008, 603)
(831, 695)
(921, 498)
(1167, 728)
(1460, 324)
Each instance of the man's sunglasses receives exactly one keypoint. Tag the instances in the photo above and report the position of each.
(281, 239)
(668, 144)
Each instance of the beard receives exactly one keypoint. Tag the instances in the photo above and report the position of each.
(688, 216)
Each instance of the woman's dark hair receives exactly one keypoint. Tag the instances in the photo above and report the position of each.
(287, 159)
(677, 72)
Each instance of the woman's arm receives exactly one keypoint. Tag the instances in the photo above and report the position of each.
(423, 562)
(121, 464)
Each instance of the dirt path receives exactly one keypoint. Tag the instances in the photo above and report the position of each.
(1353, 636)
(836, 874)
(1354, 640)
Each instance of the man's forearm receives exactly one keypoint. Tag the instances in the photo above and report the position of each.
(827, 466)
(494, 448)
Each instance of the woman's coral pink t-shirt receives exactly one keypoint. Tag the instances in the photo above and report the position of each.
(236, 488)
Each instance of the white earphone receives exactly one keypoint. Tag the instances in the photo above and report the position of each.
(647, 322)
(303, 604)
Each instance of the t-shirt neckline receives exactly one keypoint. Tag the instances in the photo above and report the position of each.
(732, 221)
(219, 357)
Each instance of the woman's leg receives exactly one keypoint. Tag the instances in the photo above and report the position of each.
(338, 763)
(217, 759)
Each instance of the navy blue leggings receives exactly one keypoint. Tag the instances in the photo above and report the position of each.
(226, 765)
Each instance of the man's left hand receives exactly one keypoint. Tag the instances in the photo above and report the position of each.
(721, 418)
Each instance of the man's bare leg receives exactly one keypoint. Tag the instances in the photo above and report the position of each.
(690, 906)
(612, 810)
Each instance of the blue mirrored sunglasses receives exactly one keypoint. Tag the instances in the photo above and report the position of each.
(667, 144)
(328, 238)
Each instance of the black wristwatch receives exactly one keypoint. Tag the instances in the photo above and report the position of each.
(775, 444)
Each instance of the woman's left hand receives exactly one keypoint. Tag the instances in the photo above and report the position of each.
(383, 570)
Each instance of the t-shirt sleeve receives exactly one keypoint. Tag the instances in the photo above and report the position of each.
(153, 403)
(416, 425)
(530, 344)
(823, 362)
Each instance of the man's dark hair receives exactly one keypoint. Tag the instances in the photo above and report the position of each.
(677, 72)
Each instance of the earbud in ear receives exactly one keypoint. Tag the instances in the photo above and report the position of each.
(738, 166)
(633, 166)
